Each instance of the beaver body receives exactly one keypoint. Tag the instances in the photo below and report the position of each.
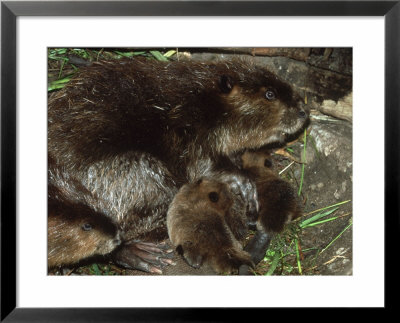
(278, 203)
(123, 136)
(206, 224)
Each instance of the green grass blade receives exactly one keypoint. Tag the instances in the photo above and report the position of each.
(55, 87)
(316, 217)
(320, 222)
(328, 207)
(129, 54)
(274, 264)
(58, 84)
(61, 68)
(157, 55)
(170, 53)
(62, 81)
(337, 237)
(57, 51)
(95, 269)
(81, 52)
(298, 257)
(57, 58)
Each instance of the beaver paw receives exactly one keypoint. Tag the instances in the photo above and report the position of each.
(230, 260)
(191, 254)
(225, 261)
(145, 256)
(257, 247)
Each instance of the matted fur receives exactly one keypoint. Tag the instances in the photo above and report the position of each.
(124, 135)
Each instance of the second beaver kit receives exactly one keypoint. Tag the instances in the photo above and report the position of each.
(125, 135)
(278, 203)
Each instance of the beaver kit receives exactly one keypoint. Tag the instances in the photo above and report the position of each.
(204, 224)
(278, 203)
(125, 135)
(76, 232)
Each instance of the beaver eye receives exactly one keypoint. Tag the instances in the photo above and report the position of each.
(270, 95)
(87, 227)
(267, 163)
(213, 196)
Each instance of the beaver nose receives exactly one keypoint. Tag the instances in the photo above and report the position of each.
(302, 114)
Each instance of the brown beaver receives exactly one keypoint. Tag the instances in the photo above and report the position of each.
(205, 225)
(77, 233)
(278, 202)
(124, 135)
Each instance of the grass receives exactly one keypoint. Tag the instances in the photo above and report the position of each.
(276, 256)
(95, 269)
(338, 236)
(313, 220)
(101, 270)
(285, 253)
(58, 84)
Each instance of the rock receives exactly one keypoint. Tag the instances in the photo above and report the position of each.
(342, 109)
(328, 175)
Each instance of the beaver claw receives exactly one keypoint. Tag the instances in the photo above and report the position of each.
(145, 256)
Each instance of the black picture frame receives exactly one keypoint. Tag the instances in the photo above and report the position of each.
(10, 10)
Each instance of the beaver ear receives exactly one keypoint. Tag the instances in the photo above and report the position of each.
(226, 84)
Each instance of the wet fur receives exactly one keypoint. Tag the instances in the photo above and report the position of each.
(278, 201)
(123, 136)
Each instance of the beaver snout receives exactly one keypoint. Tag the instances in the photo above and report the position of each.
(302, 114)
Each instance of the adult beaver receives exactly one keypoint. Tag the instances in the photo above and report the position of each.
(124, 135)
